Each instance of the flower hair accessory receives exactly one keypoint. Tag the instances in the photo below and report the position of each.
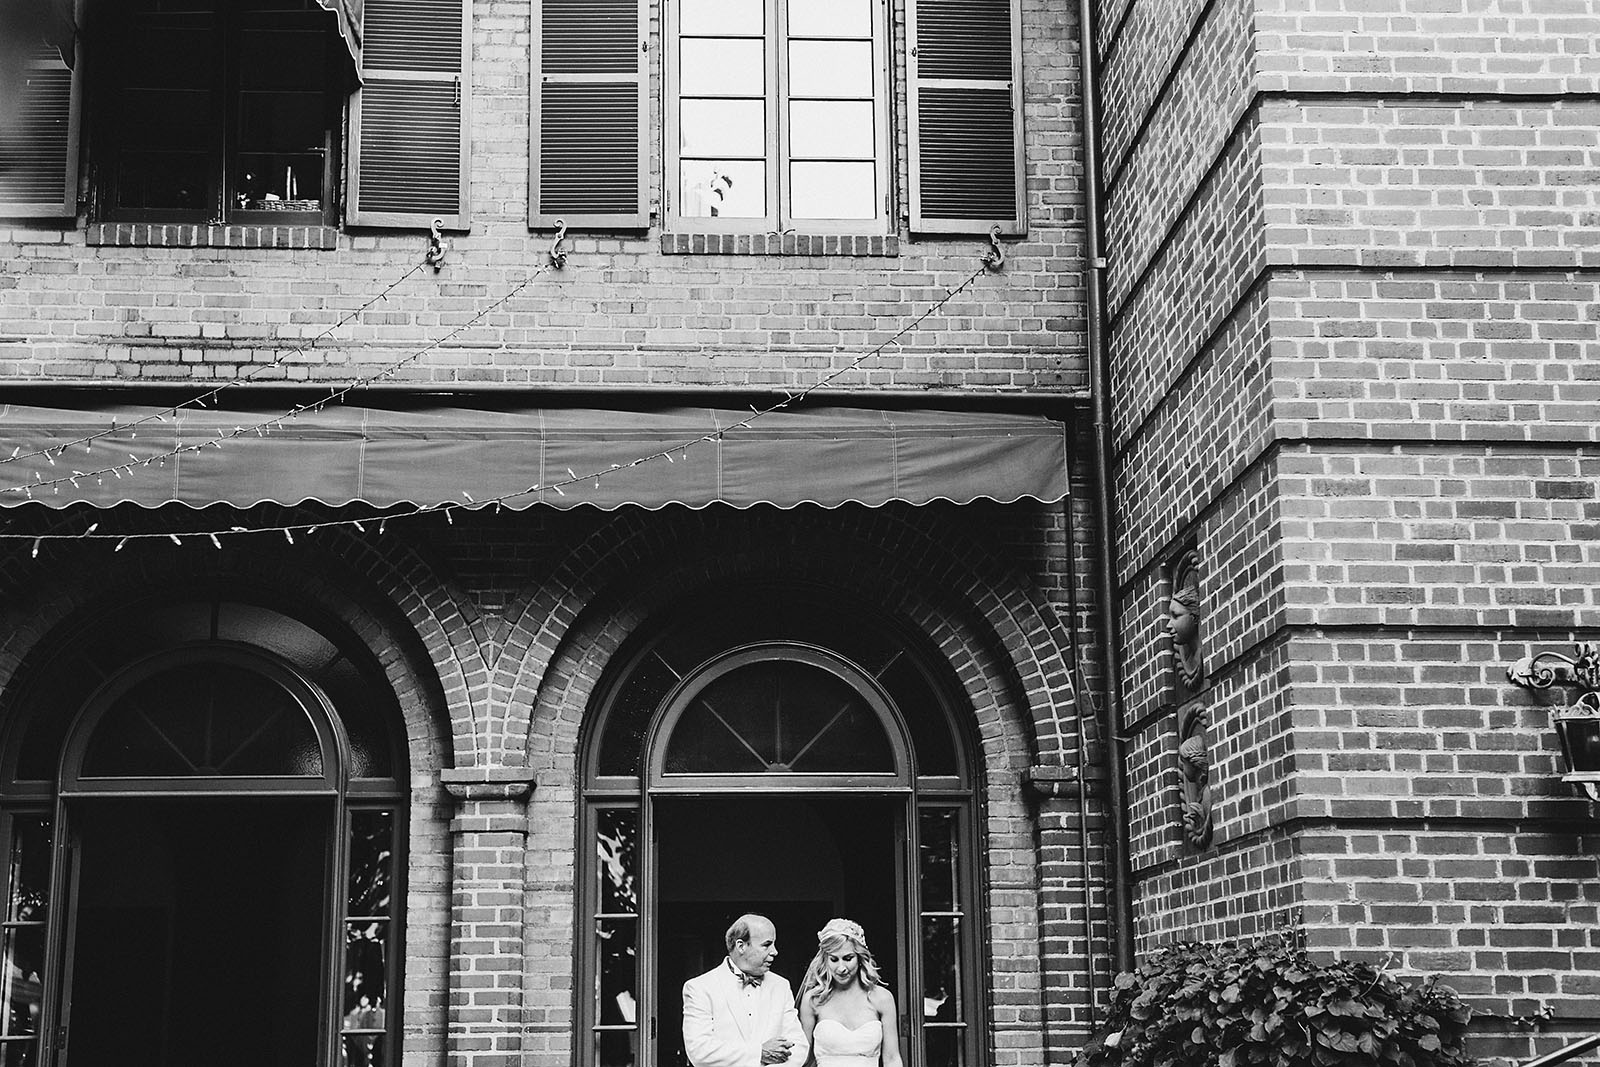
(843, 928)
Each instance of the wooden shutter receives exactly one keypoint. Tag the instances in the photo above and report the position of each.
(964, 80)
(39, 140)
(410, 130)
(590, 102)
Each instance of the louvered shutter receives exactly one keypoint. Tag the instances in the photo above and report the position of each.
(590, 101)
(39, 141)
(409, 122)
(964, 80)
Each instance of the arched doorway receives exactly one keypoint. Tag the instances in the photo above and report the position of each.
(202, 801)
(785, 751)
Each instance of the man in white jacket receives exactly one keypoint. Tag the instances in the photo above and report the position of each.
(740, 1014)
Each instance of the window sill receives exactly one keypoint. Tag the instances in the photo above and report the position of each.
(176, 235)
(776, 244)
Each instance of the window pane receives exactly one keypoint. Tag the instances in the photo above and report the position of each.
(939, 860)
(362, 1050)
(204, 719)
(943, 1044)
(617, 982)
(617, 1048)
(724, 128)
(725, 188)
(778, 717)
(833, 190)
(175, 119)
(831, 18)
(371, 861)
(722, 17)
(21, 990)
(617, 841)
(830, 69)
(623, 744)
(280, 60)
(941, 971)
(280, 122)
(713, 67)
(28, 872)
(366, 964)
(834, 129)
(272, 182)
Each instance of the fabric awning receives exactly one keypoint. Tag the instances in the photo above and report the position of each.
(347, 15)
(402, 455)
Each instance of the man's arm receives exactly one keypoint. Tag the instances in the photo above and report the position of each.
(700, 1039)
(791, 1029)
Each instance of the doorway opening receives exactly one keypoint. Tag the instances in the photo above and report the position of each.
(198, 932)
(787, 750)
(800, 860)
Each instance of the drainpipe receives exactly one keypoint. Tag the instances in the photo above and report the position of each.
(1110, 605)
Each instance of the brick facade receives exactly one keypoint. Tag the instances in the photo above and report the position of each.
(1350, 306)
(1350, 291)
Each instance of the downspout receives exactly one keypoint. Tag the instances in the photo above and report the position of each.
(1110, 605)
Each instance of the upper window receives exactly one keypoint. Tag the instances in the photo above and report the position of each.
(218, 111)
(777, 116)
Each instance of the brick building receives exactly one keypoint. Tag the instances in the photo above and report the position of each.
(421, 637)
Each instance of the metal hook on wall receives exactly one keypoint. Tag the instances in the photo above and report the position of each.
(995, 258)
(436, 246)
(558, 255)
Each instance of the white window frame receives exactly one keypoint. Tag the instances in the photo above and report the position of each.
(779, 217)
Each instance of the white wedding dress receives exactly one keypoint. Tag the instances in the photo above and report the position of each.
(838, 1045)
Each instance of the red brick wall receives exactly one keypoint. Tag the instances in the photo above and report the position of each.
(1351, 311)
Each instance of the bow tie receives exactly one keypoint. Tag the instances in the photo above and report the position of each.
(745, 980)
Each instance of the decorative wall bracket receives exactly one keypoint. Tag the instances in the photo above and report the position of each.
(1578, 724)
(1545, 669)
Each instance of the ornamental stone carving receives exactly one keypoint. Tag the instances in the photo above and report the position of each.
(1184, 621)
(1185, 630)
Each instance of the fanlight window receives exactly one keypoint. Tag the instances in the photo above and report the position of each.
(142, 752)
(778, 717)
(204, 719)
(794, 705)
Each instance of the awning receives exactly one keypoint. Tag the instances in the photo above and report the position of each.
(385, 456)
(347, 14)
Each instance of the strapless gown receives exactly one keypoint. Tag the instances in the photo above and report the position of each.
(838, 1045)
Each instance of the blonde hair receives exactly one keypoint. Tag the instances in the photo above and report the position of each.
(831, 939)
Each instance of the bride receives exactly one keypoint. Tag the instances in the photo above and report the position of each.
(845, 1009)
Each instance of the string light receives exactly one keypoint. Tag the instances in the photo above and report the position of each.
(210, 395)
(497, 502)
(276, 422)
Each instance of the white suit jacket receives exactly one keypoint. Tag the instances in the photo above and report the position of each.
(723, 1026)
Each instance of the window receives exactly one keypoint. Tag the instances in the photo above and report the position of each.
(777, 116)
(217, 111)
(204, 818)
(811, 746)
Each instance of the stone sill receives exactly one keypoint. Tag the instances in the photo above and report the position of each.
(176, 235)
(778, 244)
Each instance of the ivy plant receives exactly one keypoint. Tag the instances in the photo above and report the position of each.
(1267, 1003)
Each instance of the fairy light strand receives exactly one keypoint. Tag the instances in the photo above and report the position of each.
(266, 426)
(446, 507)
(57, 450)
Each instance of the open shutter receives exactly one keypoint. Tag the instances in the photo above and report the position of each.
(409, 121)
(964, 80)
(590, 91)
(39, 140)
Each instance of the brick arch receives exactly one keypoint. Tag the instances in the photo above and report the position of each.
(930, 581)
(648, 567)
(78, 578)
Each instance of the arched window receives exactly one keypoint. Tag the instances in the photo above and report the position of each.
(786, 751)
(203, 806)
